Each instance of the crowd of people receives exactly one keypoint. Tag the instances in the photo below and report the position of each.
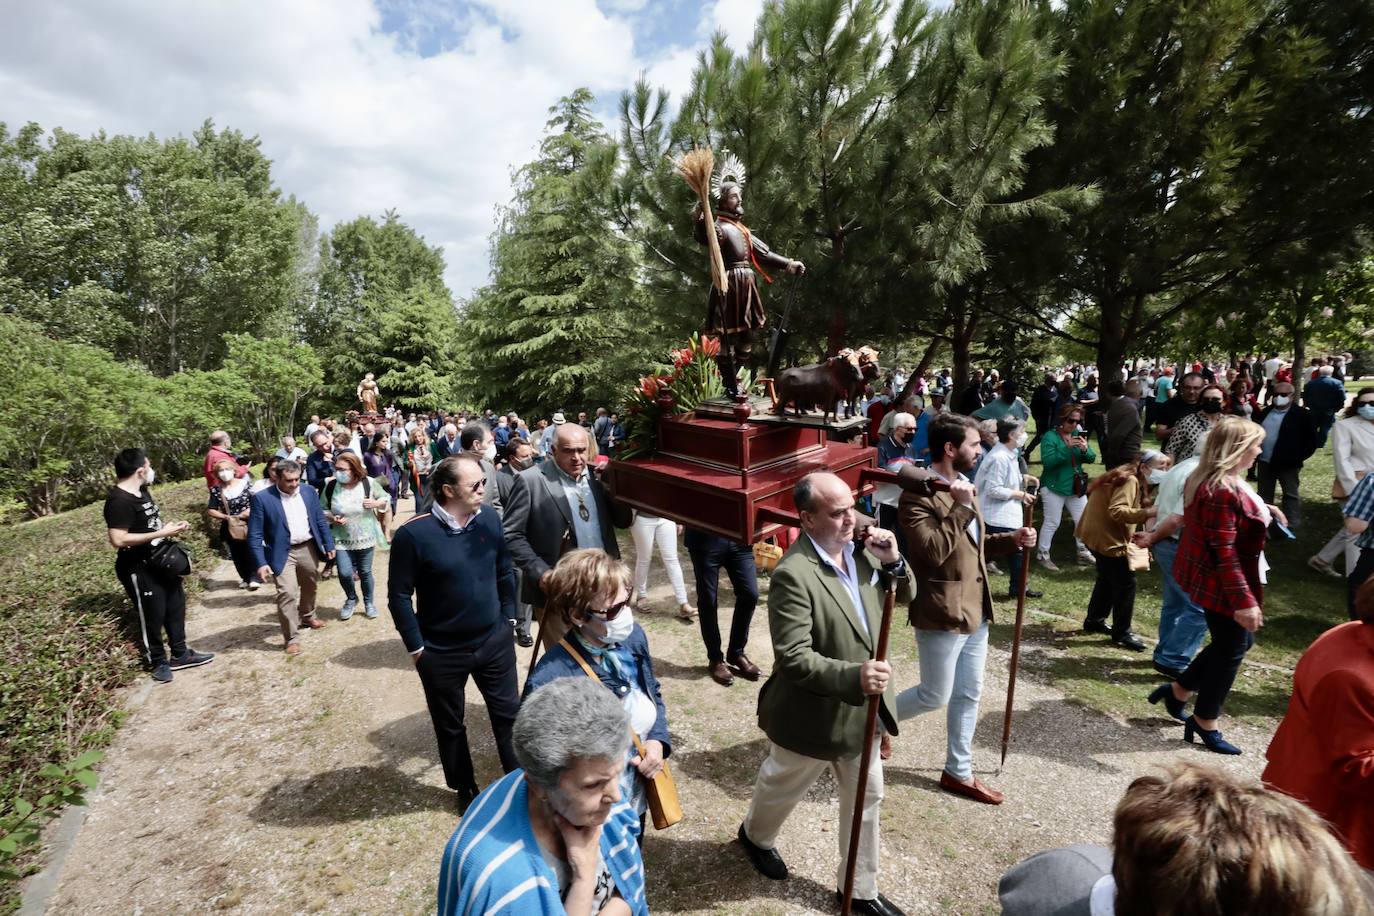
(513, 544)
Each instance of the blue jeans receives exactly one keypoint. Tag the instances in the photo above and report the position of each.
(952, 676)
(362, 560)
(1182, 625)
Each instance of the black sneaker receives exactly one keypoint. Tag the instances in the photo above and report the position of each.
(162, 673)
(192, 659)
(1096, 626)
(766, 861)
(1129, 640)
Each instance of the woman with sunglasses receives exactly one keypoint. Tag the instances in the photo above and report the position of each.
(590, 590)
(1184, 438)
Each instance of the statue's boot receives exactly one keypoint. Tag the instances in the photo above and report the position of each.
(726, 363)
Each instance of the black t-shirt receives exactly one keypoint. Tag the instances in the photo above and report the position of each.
(135, 514)
(1175, 409)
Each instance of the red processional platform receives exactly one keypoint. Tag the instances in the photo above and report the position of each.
(735, 478)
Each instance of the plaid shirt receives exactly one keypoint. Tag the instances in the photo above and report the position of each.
(1218, 555)
(1361, 505)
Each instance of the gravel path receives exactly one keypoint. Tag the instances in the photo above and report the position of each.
(269, 784)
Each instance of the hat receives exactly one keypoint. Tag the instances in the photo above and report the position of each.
(559, 419)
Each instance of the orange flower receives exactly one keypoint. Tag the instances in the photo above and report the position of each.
(649, 385)
(710, 346)
(681, 358)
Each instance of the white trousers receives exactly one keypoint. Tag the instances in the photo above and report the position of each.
(1342, 543)
(1054, 512)
(786, 777)
(649, 530)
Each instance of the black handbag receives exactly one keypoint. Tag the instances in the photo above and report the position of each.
(169, 559)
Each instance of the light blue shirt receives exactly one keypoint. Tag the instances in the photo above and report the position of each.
(579, 493)
(849, 578)
(1272, 421)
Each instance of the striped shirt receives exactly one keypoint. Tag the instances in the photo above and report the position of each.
(1361, 505)
(493, 865)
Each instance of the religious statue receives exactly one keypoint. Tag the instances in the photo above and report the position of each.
(367, 394)
(734, 310)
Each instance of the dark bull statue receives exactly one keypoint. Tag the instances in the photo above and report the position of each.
(840, 378)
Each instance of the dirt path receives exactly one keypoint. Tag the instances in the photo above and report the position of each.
(269, 784)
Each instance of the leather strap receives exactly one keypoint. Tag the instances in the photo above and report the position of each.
(577, 657)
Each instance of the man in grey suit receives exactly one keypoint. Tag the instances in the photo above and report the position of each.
(555, 507)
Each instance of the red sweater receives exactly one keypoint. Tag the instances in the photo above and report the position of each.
(1323, 751)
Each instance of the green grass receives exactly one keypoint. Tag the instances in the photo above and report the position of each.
(1299, 605)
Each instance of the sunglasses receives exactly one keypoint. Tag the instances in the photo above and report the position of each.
(1211, 400)
(610, 613)
(1363, 403)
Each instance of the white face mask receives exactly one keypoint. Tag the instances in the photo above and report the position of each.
(148, 477)
(1021, 440)
(343, 476)
(1156, 477)
(1282, 400)
(611, 632)
(225, 475)
(489, 452)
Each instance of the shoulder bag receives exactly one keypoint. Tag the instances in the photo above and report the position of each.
(661, 791)
(238, 528)
(1080, 476)
(169, 559)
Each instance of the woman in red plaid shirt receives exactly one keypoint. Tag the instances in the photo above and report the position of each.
(1221, 566)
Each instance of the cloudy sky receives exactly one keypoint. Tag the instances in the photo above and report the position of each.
(425, 106)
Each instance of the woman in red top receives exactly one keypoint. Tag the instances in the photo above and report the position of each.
(1323, 752)
(1219, 566)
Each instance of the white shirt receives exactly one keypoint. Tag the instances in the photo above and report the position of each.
(297, 521)
(998, 477)
(849, 578)
(1272, 367)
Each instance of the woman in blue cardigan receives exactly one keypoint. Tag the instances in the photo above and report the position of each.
(590, 590)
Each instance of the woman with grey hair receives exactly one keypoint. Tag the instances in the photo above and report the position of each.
(554, 836)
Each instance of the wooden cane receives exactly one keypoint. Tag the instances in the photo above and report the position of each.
(866, 755)
(1016, 636)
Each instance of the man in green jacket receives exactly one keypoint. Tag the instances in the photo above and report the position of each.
(824, 612)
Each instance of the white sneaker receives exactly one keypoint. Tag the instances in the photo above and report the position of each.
(1086, 559)
(1321, 566)
(994, 569)
(243, 585)
(254, 586)
(1047, 564)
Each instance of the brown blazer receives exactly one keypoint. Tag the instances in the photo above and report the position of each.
(951, 572)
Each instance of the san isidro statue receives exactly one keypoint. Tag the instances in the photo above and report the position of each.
(735, 313)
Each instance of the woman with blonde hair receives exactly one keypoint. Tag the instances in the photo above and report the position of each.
(421, 461)
(1220, 565)
(589, 590)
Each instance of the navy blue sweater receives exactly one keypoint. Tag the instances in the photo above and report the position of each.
(464, 582)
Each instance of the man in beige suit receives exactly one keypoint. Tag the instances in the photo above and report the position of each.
(824, 611)
(948, 544)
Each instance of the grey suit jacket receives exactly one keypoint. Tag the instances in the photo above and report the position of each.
(537, 518)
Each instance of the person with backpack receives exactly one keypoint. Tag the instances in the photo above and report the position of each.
(351, 502)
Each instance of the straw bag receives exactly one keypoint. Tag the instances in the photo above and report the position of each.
(1137, 558)
(661, 791)
(766, 555)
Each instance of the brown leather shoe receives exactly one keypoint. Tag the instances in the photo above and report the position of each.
(978, 792)
(293, 648)
(313, 623)
(745, 668)
(720, 673)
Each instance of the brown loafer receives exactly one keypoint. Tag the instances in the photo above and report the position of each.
(745, 668)
(720, 673)
(978, 792)
(293, 648)
(313, 623)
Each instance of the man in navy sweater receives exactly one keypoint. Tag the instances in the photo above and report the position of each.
(454, 560)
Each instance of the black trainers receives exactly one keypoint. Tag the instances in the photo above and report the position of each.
(192, 659)
(766, 862)
(162, 673)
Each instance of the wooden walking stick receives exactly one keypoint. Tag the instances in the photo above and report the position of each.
(866, 755)
(1016, 636)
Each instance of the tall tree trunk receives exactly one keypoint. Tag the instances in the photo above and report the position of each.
(1302, 303)
(919, 371)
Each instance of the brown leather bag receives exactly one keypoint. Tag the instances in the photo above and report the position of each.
(661, 791)
(238, 528)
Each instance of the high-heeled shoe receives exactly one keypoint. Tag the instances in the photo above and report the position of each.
(1212, 740)
(1172, 703)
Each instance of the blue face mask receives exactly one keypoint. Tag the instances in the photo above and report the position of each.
(1367, 411)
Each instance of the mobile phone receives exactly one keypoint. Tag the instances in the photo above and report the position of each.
(1285, 530)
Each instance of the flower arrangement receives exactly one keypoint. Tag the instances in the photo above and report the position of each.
(689, 377)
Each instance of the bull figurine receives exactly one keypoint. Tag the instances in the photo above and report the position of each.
(818, 385)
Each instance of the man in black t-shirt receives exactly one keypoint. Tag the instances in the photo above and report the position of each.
(1184, 404)
(135, 525)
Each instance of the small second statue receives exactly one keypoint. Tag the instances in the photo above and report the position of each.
(736, 314)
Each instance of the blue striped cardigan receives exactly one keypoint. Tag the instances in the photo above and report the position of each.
(492, 863)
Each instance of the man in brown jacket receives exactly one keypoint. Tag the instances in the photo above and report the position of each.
(947, 543)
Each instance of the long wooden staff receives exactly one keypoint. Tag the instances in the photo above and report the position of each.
(1016, 636)
(866, 755)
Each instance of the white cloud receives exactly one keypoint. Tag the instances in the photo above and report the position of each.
(355, 121)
